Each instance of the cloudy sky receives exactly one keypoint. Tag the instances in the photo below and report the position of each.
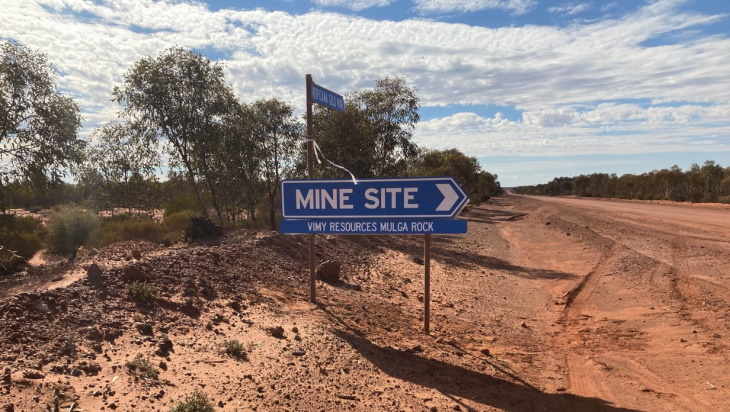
(533, 88)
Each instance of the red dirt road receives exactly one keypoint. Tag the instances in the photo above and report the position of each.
(646, 326)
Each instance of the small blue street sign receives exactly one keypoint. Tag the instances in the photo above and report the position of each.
(404, 198)
(373, 227)
(327, 98)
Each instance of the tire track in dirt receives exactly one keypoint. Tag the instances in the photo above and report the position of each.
(586, 375)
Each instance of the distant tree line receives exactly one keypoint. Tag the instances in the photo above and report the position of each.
(707, 183)
(222, 157)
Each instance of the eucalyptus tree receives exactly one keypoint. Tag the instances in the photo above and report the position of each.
(277, 135)
(180, 97)
(124, 161)
(38, 124)
(373, 137)
(391, 109)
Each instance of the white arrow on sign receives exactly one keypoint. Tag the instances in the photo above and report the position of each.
(450, 197)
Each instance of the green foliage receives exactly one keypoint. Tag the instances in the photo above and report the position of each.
(180, 96)
(70, 227)
(38, 125)
(276, 135)
(142, 368)
(179, 203)
(479, 184)
(708, 183)
(20, 239)
(197, 402)
(120, 165)
(127, 227)
(235, 349)
(141, 291)
(177, 222)
(69, 347)
(373, 137)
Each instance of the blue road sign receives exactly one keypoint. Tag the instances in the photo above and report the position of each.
(327, 98)
(373, 227)
(405, 198)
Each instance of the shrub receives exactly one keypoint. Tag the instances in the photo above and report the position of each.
(197, 402)
(142, 368)
(140, 291)
(179, 203)
(177, 222)
(69, 347)
(68, 228)
(21, 238)
(234, 349)
(126, 227)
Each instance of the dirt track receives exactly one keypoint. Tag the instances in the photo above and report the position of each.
(546, 304)
(645, 324)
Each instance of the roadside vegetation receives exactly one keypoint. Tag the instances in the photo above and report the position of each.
(700, 184)
(223, 159)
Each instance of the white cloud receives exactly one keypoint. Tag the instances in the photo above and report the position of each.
(554, 75)
(444, 6)
(569, 9)
(353, 4)
(605, 129)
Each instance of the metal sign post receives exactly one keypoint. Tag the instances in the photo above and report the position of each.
(427, 285)
(310, 174)
(316, 94)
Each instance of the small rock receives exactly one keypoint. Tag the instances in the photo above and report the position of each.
(404, 294)
(164, 347)
(94, 272)
(523, 324)
(329, 271)
(277, 332)
(417, 348)
(91, 368)
(144, 328)
(33, 375)
(295, 329)
(134, 272)
(137, 254)
(486, 352)
(298, 353)
(93, 252)
(9, 407)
